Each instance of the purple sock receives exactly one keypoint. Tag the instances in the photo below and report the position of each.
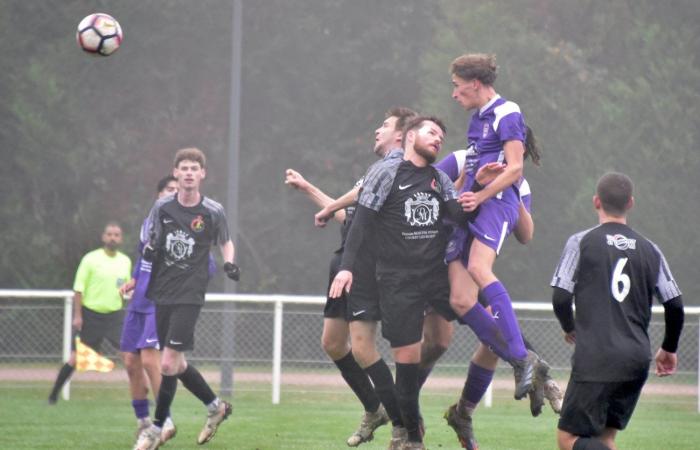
(485, 328)
(504, 316)
(478, 380)
(140, 408)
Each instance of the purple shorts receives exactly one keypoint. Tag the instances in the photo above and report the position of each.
(139, 332)
(496, 220)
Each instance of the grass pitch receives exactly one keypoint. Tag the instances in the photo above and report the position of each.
(99, 415)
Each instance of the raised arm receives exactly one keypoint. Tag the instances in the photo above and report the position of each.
(514, 151)
(336, 208)
(297, 181)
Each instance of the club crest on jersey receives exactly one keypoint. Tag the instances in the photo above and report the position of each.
(197, 224)
(179, 245)
(485, 131)
(620, 242)
(422, 210)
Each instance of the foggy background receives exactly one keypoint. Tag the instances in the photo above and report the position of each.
(605, 86)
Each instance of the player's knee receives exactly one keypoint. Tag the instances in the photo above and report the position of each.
(334, 348)
(365, 357)
(130, 362)
(169, 368)
(430, 354)
(461, 303)
(565, 440)
(478, 272)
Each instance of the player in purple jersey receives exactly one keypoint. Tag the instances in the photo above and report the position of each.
(611, 273)
(496, 134)
(484, 361)
(139, 339)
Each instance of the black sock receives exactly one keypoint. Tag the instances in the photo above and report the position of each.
(166, 394)
(407, 389)
(358, 381)
(63, 375)
(384, 387)
(423, 373)
(195, 383)
(528, 346)
(589, 444)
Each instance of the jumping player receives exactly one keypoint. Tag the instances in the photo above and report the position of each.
(496, 134)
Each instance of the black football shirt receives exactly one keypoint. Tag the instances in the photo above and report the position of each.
(613, 273)
(183, 237)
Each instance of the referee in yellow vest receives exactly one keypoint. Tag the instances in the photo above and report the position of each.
(97, 304)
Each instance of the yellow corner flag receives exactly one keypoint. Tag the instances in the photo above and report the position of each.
(89, 359)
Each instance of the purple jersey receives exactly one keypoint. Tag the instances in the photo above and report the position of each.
(494, 222)
(494, 124)
(452, 165)
(142, 276)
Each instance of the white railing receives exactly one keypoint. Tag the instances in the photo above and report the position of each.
(278, 301)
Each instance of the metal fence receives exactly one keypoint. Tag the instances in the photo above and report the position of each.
(276, 341)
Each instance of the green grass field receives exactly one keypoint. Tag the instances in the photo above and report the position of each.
(100, 416)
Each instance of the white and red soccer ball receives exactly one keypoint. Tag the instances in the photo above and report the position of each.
(99, 34)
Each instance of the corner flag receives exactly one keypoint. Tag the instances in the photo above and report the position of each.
(89, 359)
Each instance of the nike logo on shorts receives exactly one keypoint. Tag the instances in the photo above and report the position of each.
(175, 342)
(401, 187)
(151, 341)
(357, 313)
(486, 236)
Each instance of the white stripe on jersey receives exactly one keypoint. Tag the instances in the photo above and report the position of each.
(566, 272)
(461, 158)
(503, 110)
(666, 286)
(524, 188)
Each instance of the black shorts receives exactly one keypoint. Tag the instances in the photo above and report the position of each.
(590, 407)
(363, 301)
(175, 324)
(336, 308)
(404, 295)
(98, 326)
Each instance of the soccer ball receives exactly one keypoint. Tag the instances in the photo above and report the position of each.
(99, 34)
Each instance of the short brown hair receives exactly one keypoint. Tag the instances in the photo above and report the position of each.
(403, 116)
(417, 122)
(475, 66)
(615, 192)
(190, 154)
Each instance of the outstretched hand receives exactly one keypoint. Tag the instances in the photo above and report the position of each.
(488, 172)
(294, 179)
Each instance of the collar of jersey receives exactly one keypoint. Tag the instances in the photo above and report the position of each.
(394, 153)
(488, 106)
